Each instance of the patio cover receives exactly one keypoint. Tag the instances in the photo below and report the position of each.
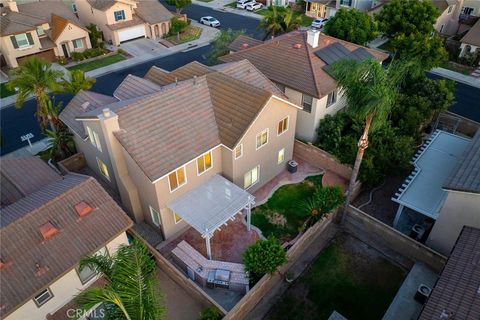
(210, 205)
(422, 191)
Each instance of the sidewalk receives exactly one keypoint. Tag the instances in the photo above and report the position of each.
(219, 5)
(469, 80)
(27, 151)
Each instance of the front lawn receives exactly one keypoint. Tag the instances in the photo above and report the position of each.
(191, 33)
(4, 91)
(284, 214)
(349, 277)
(99, 63)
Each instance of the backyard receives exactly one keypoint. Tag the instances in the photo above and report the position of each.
(284, 214)
(348, 277)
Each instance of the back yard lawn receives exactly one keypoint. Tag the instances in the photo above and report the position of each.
(349, 277)
(284, 213)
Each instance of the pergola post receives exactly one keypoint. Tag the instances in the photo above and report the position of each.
(398, 215)
(209, 249)
(249, 215)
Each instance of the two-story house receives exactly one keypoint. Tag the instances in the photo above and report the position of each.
(123, 20)
(196, 129)
(296, 62)
(328, 8)
(48, 223)
(46, 29)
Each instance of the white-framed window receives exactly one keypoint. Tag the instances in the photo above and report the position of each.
(450, 9)
(86, 274)
(74, 8)
(281, 156)
(22, 40)
(251, 177)
(238, 151)
(177, 179)
(332, 98)
(119, 15)
(155, 216)
(103, 169)
(441, 28)
(204, 162)
(40, 31)
(468, 11)
(307, 102)
(94, 138)
(177, 218)
(42, 297)
(77, 43)
(262, 139)
(282, 126)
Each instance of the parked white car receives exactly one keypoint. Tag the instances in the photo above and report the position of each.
(319, 23)
(242, 4)
(210, 21)
(254, 6)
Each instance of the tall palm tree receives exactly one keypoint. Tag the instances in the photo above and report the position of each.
(132, 290)
(35, 77)
(78, 82)
(61, 144)
(291, 20)
(271, 22)
(370, 91)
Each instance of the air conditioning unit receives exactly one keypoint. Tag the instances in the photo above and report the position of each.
(422, 294)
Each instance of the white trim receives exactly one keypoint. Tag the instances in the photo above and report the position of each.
(241, 151)
(261, 133)
(152, 210)
(184, 167)
(211, 162)
(286, 101)
(98, 165)
(41, 293)
(258, 177)
(283, 156)
(175, 219)
(286, 129)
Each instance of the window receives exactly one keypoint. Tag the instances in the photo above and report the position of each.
(238, 151)
(307, 102)
(281, 156)
(86, 274)
(22, 40)
(119, 15)
(78, 43)
(251, 177)
(262, 138)
(346, 2)
(282, 126)
(41, 298)
(155, 217)
(94, 138)
(332, 98)
(204, 162)
(103, 169)
(40, 31)
(74, 8)
(441, 28)
(177, 179)
(467, 10)
(450, 8)
(177, 218)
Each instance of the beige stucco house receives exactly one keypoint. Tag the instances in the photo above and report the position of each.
(160, 137)
(123, 20)
(296, 62)
(449, 20)
(49, 222)
(328, 8)
(47, 29)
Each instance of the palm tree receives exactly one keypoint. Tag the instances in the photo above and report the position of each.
(78, 82)
(291, 20)
(61, 144)
(271, 22)
(370, 91)
(35, 77)
(132, 289)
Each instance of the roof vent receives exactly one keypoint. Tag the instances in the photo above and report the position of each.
(176, 81)
(106, 112)
(85, 105)
(40, 270)
(194, 80)
(4, 264)
(244, 45)
(297, 46)
(83, 209)
(48, 231)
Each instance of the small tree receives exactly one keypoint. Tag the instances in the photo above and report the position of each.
(95, 36)
(352, 25)
(220, 45)
(324, 200)
(179, 4)
(78, 82)
(177, 26)
(262, 257)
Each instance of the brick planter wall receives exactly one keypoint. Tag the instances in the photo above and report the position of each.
(74, 163)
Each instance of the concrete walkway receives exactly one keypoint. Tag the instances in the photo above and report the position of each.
(28, 151)
(469, 80)
(220, 5)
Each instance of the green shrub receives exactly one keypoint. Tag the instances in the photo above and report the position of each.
(78, 56)
(121, 51)
(210, 313)
(177, 25)
(262, 257)
(324, 200)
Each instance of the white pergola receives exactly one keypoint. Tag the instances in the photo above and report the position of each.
(212, 204)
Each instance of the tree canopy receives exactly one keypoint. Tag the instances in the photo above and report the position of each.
(262, 257)
(279, 20)
(179, 4)
(352, 25)
(220, 45)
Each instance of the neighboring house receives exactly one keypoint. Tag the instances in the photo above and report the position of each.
(443, 192)
(449, 20)
(160, 137)
(296, 62)
(123, 20)
(46, 29)
(278, 3)
(471, 8)
(456, 294)
(328, 8)
(470, 43)
(48, 224)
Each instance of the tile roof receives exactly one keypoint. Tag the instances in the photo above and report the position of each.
(23, 247)
(163, 77)
(291, 61)
(466, 175)
(133, 86)
(243, 42)
(456, 294)
(153, 12)
(473, 35)
(84, 101)
(16, 184)
(101, 5)
(136, 20)
(15, 22)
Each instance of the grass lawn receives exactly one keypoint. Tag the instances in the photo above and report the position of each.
(283, 214)
(457, 67)
(95, 64)
(231, 5)
(4, 92)
(306, 21)
(190, 34)
(349, 277)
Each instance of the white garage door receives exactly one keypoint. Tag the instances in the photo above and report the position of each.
(131, 33)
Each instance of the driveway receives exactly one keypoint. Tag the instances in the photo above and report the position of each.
(142, 46)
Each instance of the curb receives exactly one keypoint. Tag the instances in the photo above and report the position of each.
(452, 75)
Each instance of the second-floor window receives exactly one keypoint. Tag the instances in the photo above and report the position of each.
(119, 15)
(204, 162)
(238, 151)
(23, 40)
(103, 169)
(332, 98)
(307, 102)
(282, 126)
(94, 138)
(41, 298)
(467, 11)
(177, 179)
(346, 2)
(262, 138)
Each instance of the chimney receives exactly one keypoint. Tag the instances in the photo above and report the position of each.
(106, 112)
(312, 38)
(83, 209)
(48, 231)
(12, 5)
(194, 80)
